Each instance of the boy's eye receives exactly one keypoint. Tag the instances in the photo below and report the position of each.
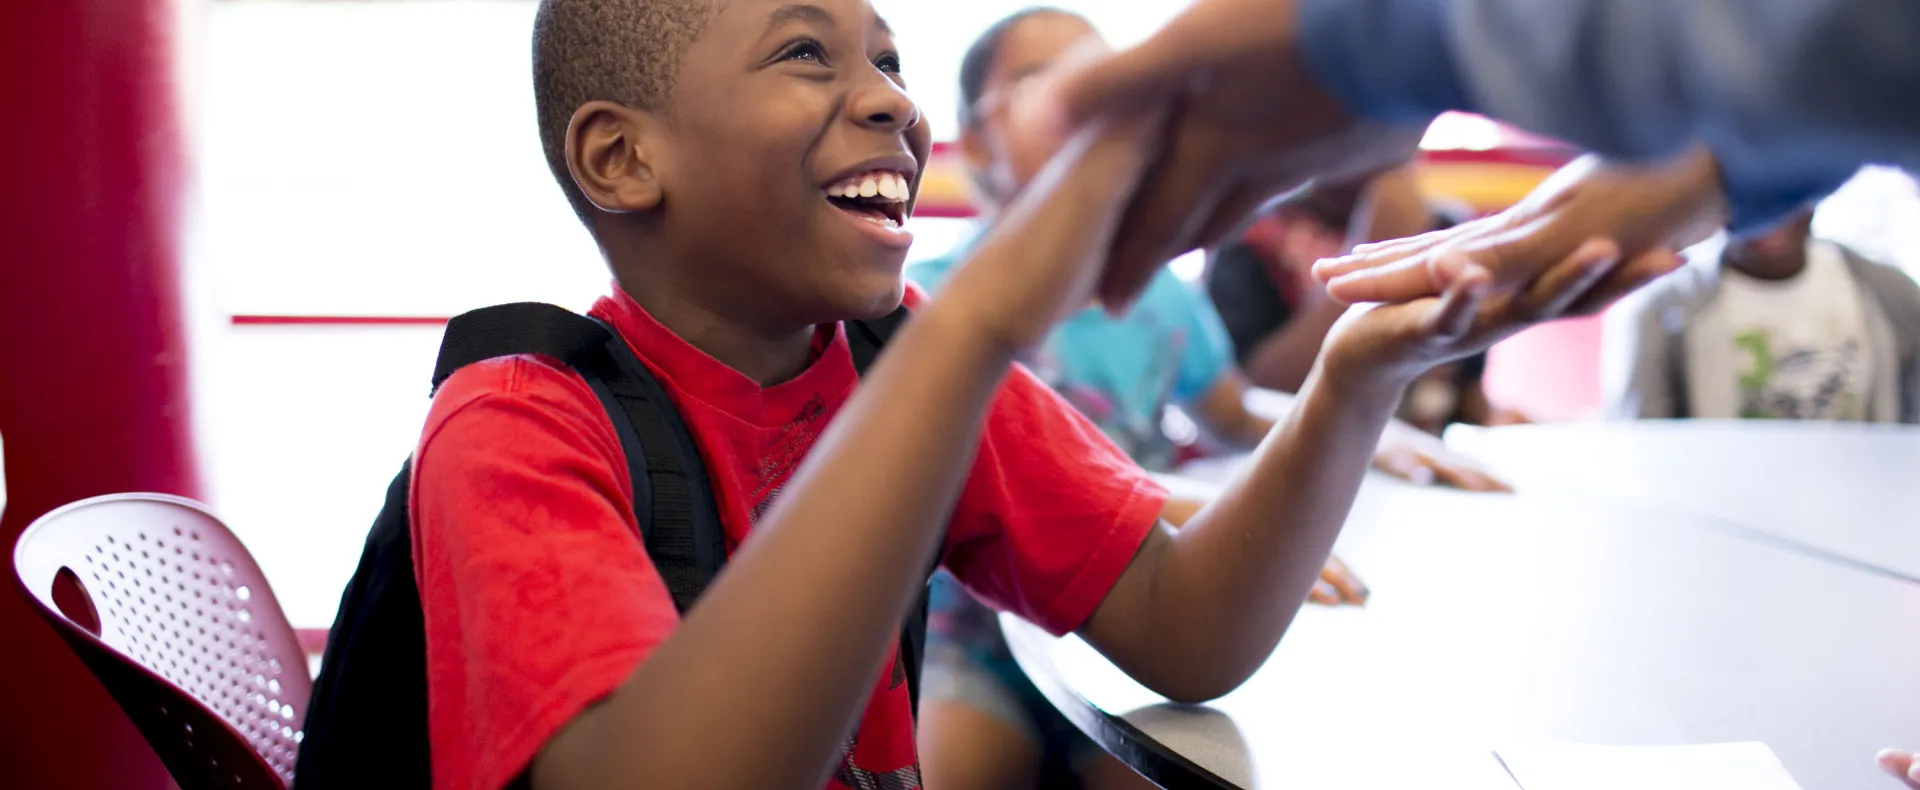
(889, 63)
(805, 50)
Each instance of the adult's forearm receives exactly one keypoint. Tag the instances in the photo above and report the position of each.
(1791, 96)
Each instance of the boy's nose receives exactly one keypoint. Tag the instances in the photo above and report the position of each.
(883, 104)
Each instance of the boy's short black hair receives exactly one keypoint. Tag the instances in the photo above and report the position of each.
(979, 61)
(625, 51)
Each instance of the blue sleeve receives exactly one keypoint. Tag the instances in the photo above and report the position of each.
(1793, 96)
(1208, 353)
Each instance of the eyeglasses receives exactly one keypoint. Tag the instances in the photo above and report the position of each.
(998, 98)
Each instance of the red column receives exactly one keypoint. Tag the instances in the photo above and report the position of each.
(93, 389)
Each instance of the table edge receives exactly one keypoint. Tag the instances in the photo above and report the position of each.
(1119, 737)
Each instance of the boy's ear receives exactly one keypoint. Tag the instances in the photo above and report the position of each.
(607, 155)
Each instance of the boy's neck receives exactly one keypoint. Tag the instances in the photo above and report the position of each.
(768, 355)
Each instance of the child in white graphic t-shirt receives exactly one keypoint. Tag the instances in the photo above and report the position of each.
(1778, 326)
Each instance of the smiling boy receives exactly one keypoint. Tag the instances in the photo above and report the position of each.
(710, 149)
(746, 168)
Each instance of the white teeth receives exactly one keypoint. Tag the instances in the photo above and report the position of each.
(891, 187)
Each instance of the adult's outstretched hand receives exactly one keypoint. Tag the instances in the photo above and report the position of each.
(1250, 123)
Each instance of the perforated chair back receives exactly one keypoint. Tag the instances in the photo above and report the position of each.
(172, 615)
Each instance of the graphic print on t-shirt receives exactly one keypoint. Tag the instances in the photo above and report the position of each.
(1798, 383)
(854, 777)
(1796, 348)
(796, 437)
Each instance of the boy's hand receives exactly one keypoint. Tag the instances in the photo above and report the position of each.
(1041, 260)
(1400, 341)
(1338, 585)
(1639, 207)
(1252, 124)
(1902, 765)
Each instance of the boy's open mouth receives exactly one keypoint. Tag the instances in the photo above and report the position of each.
(879, 197)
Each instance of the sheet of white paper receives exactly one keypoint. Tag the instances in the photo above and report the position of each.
(1718, 766)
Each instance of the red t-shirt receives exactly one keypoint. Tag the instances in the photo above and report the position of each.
(538, 595)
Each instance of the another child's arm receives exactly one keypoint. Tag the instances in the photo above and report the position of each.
(1222, 410)
(761, 683)
(1199, 610)
(1282, 360)
(1391, 208)
(1404, 451)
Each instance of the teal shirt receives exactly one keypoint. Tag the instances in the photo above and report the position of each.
(1122, 373)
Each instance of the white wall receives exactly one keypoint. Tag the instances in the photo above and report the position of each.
(381, 157)
(1878, 214)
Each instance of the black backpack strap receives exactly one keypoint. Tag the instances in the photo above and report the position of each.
(519, 328)
(672, 498)
(637, 468)
(679, 522)
(866, 338)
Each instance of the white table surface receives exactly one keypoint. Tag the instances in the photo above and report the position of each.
(1499, 620)
(1848, 492)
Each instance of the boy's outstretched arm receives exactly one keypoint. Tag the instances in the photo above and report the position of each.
(762, 683)
(1197, 612)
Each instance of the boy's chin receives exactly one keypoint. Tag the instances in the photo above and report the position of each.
(866, 297)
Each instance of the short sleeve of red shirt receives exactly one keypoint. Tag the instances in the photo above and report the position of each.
(1052, 512)
(538, 596)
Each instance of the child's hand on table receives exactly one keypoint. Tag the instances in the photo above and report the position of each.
(1435, 465)
(1418, 457)
(1903, 765)
(1338, 585)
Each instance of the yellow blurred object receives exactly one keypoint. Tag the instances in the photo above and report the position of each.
(1484, 186)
